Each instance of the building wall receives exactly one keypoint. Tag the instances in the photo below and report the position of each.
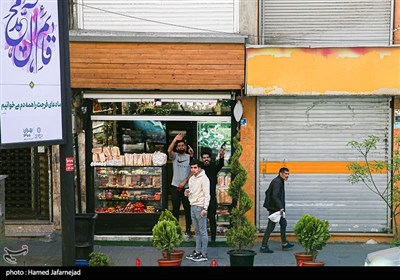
(248, 141)
(56, 187)
(198, 16)
(330, 71)
(396, 135)
(396, 24)
(249, 20)
(323, 72)
(167, 66)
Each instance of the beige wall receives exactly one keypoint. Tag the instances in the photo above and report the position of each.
(248, 22)
(56, 187)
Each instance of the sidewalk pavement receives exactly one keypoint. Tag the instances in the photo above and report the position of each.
(47, 252)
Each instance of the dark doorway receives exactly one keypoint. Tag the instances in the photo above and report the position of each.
(190, 131)
(27, 186)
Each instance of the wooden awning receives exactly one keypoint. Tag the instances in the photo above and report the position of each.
(157, 66)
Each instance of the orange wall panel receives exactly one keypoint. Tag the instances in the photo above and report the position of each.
(248, 141)
(329, 71)
(396, 24)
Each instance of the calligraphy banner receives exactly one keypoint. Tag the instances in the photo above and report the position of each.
(30, 73)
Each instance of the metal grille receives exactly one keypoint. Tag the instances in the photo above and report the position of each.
(314, 23)
(317, 129)
(158, 16)
(27, 185)
(16, 163)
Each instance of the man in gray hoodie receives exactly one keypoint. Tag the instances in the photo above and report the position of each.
(199, 198)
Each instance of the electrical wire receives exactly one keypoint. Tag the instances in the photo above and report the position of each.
(270, 39)
(153, 21)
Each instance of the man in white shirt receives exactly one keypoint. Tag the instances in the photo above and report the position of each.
(199, 198)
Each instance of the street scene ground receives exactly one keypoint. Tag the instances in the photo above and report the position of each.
(46, 251)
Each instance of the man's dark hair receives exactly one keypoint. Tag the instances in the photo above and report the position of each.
(283, 170)
(206, 151)
(179, 141)
(194, 161)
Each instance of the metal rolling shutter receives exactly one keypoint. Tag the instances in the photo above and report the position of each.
(302, 129)
(326, 22)
(146, 15)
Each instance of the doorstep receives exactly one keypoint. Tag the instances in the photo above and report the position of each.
(140, 238)
(29, 229)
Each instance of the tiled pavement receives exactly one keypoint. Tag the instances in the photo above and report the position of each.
(47, 252)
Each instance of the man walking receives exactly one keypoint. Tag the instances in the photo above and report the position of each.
(275, 201)
(199, 198)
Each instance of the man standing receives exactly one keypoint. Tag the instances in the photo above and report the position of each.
(275, 201)
(212, 170)
(181, 174)
(199, 198)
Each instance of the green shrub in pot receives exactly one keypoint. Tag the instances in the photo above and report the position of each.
(167, 233)
(242, 233)
(312, 234)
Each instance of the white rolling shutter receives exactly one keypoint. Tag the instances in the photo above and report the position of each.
(317, 129)
(149, 15)
(313, 23)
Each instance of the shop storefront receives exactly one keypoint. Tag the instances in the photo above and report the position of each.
(129, 181)
(312, 140)
(136, 102)
(310, 104)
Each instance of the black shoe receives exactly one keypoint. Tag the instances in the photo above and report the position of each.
(266, 250)
(189, 234)
(287, 246)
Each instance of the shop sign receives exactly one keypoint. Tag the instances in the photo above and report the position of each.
(30, 71)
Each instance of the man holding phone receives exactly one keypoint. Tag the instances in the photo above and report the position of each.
(181, 174)
(212, 170)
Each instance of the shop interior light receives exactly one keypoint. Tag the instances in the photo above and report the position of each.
(131, 95)
(118, 100)
(181, 100)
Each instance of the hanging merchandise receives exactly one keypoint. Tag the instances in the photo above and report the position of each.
(159, 158)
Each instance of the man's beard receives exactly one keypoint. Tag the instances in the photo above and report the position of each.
(181, 151)
(206, 162)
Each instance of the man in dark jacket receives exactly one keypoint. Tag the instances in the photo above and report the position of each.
(212, 170)
(274, 202)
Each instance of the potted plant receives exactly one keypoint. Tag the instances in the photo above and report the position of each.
(167, 236)
(168, 216)
(242, 233)
(313, 234)
(99, 259)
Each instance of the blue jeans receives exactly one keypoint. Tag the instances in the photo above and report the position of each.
(200, 229)
(177, 197)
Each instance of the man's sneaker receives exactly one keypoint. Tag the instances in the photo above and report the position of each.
(200, 258)
(287, 246)
(193, 255)
(188, 234)
(266, 250)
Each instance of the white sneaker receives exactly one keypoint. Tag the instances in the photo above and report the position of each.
(193, 255)
(200, 258)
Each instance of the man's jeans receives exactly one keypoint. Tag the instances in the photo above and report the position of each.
(200, 229)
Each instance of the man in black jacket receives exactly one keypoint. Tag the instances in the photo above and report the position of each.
(274, 202)
(212, 170)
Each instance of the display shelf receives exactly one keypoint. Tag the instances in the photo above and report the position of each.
(126, 192)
